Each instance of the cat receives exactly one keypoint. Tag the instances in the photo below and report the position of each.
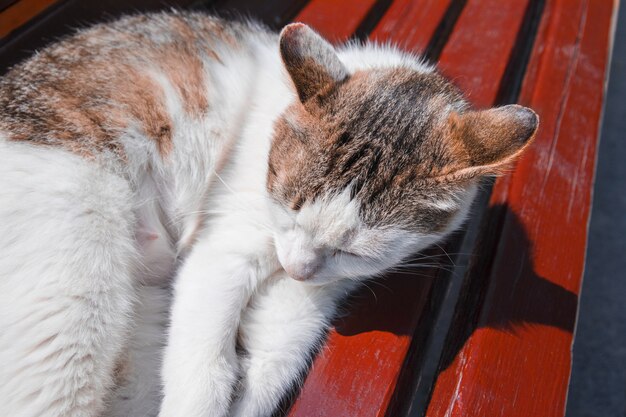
(185, 201)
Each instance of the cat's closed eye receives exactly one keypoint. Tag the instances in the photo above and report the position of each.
(342, 252)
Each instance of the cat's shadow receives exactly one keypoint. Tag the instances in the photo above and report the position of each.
(514, 297)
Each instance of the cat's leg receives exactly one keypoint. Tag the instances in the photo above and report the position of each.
(280, 330)
(211, 290)
(138, 380)
(137, 391)
(66, 282)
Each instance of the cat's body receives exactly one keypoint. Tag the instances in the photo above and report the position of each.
(127, 171)
(134, 159)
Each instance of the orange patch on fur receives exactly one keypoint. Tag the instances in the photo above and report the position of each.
(82, 93)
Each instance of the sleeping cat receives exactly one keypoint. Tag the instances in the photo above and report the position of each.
(249, 179)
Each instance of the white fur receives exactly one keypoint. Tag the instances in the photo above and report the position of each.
(356, 56)
(88, 247)
(326, 239)
(138, 384)
(284, 321)
(66, 281)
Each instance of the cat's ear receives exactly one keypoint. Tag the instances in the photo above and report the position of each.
(493, 138)
(310, 60)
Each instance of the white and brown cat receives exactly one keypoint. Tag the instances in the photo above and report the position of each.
(184, 201)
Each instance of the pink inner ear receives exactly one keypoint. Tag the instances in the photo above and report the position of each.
(292, 30)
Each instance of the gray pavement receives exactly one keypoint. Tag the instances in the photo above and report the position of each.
(598, 385)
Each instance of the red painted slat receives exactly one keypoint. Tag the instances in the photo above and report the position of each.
(479, 48)
(358, 372)
(518, 360)
(335, 20)
(411, 23)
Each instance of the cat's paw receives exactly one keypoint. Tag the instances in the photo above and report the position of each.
(202, 389)
(266, 381)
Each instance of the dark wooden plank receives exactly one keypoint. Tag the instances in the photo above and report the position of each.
(15, 14)
(372, 356)
(515, 358)
(480, 47)
(6, 3)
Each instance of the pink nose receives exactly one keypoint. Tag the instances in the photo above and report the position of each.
(302, 272)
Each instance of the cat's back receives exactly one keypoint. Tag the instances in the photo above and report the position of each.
(137, 76)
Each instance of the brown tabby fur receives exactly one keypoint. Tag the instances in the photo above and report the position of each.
(83, 91)
(389, 134)
(403, 140)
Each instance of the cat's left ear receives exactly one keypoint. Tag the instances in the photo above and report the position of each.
(310, 60)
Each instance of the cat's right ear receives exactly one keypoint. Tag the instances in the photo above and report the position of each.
(310, 60)
(491, 139)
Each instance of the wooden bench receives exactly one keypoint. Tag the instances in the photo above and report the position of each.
(488, 330)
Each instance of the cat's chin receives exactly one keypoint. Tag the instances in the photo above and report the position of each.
(319, 280)
(313, 281)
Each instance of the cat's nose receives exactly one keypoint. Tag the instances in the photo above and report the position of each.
(302, 271)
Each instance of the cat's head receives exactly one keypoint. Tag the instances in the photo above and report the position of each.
(371, 165)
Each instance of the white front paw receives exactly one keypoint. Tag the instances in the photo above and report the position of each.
(200, 389)
(266, 381)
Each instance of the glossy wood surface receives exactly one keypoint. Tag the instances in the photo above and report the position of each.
(480, 46)
(515, 359)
